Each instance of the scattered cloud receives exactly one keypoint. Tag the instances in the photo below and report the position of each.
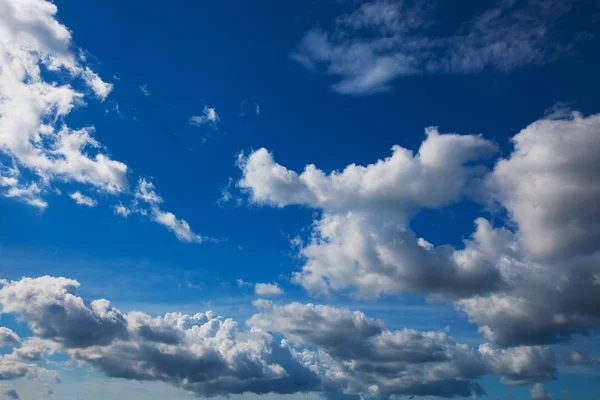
(538, 392)
(83, 200)
(268, 289)
(35, 136)
(241, 283)
(209, 116)
(144, 90)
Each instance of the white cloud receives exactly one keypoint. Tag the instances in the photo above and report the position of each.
(33, 132)
(144, 90)
(242, 283)
(121, 210)
(532, 282)
(361, 240)
(268, 289)
(382, 40)
(29, 194)
(178, 226)
(538, 392)
(8, 337)
(83, 200)
(209, 115)
(340, 351)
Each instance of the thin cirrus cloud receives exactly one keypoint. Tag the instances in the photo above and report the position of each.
(531, 282)
(208, 355)
(379, 41)
(33, 133)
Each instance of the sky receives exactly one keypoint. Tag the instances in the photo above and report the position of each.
(342, 200)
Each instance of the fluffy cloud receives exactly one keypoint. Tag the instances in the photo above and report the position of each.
(368, 358)
(339, 351)
(538, 392)
(202, 353)
(362, 241)
(382, 40)
(551, 189)
(8, 337)
(268, 289)
(532, 282)
(54, 311)
(550, 185)
(37, 49)
(83, 200)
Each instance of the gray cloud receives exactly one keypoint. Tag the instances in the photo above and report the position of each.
(54, 311)
(326, 349)
(202, 353)
(8, 338)
(362, 356)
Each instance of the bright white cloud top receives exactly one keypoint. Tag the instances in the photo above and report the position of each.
(33, 133)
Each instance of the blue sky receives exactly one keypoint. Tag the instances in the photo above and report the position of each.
(409, 178)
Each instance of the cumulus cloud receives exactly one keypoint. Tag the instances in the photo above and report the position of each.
(83, 200)
(551, 189)
(361, 240)
(202, 353)
(382, 40)
(530, 282)
(268, 289)
(54, 311)
(8, 338)
(368, 358)
(326, 349)
(209, 116)
(538, 392)
(36, 50)
(550, 184)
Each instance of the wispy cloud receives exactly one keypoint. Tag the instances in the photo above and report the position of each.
(383, 40)
(209, 116)
(144, 90)
(83, 200)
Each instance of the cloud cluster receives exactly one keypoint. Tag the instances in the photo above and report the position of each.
(37, 52)
(368, 358)
(533, 281)
(202, 353)
(326, 349)
(362, 241)
(382, 40)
